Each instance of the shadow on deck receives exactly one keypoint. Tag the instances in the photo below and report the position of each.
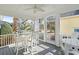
(43, 49)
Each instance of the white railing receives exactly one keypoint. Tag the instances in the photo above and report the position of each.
(27, 39)
(7, 39)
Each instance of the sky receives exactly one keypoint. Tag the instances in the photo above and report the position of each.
(8, 19)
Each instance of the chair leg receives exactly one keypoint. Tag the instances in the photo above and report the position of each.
(25, 50)
(16, 51)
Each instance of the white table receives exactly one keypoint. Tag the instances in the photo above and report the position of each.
(74, 42)
(71, 45)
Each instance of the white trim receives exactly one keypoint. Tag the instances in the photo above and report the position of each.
(69, 16)
(57, 30)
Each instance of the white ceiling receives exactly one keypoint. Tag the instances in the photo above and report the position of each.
(19, 9)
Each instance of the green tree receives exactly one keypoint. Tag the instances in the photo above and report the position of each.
(6, 28)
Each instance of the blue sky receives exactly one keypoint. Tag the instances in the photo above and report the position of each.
(8, 19)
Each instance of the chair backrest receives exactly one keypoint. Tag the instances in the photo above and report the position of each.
(21, 38)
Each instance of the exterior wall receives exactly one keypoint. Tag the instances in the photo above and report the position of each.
(68, 24)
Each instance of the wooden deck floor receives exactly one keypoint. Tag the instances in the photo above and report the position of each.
(43, 49)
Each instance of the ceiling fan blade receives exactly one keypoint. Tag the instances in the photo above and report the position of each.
(35, 6)
(40, 9)
(28, 8)
(34, 11)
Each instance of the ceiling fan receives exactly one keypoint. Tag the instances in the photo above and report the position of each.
(35, 9)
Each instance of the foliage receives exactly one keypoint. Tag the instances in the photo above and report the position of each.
(26, 27)
(6, 28)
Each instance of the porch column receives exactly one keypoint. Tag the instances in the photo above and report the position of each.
(57, 30)
(36, 29)
(45, 29)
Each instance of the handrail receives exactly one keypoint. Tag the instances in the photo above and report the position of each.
(7, 39)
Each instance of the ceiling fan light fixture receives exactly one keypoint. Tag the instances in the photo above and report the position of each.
(35, 9)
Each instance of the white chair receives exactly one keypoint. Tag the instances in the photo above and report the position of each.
(20, 42)
(32, 42)
(71, 50)
(29, 43)
(70, 45)
(26, 41)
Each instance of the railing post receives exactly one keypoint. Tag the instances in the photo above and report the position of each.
(7, 39)
(45, 29)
